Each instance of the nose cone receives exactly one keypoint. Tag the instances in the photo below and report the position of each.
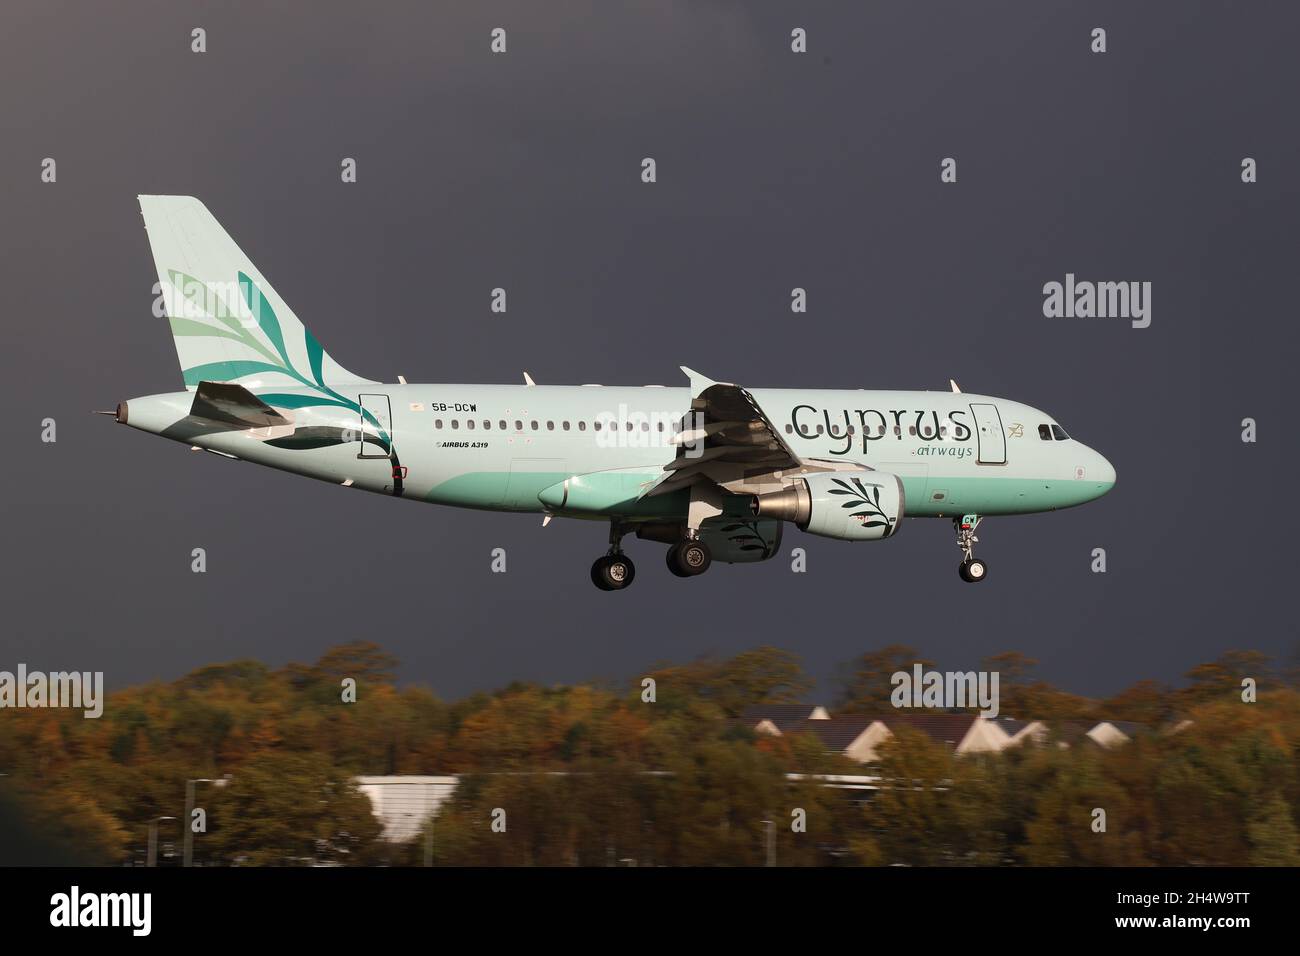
(1102, 473)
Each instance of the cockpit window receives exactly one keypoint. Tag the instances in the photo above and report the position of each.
(1059, 433)
(1044, 433)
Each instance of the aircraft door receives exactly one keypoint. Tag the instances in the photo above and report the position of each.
(376, 427)
(988, 432)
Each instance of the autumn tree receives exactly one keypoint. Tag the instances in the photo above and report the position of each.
(866, 682)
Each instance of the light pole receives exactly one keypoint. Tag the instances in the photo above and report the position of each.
(152, 858)
(188, 858)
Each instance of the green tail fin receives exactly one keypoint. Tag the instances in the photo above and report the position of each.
(228, 324)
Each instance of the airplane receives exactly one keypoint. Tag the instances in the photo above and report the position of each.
(713, 470)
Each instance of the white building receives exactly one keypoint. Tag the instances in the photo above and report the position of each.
(404, 803)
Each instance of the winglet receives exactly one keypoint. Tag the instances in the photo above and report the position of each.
(698, 382)
(528, 379)
(953, 383)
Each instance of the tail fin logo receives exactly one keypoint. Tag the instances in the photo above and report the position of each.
(251, 324)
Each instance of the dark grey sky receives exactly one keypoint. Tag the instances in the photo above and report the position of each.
(775, 171)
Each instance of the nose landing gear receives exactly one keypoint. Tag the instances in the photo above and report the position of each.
(971, 569)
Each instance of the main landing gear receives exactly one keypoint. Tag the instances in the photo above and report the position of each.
(689, 558)
(971, 569)
(614, 570)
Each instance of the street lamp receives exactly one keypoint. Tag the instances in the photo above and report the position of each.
(152, 858)
(188, 859)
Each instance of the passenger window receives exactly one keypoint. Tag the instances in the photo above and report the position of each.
(565, 426)
(911, 430)
(502, 424)
(789, 429)
(534, 426)
(1059, 433)
(582, 426)
(455, 423)
(1044, 433)
(519, 426)
(550, 426)
(596, 425)
(469, 423)
(437, 423)
(487, 424)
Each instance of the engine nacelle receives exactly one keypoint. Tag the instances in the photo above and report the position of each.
(850, 505)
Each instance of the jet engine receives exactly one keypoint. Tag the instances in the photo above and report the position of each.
(849, 505)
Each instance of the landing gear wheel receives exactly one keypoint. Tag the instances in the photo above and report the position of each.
(613, 572)
(620, 570)
(689, 558)
(673, 565)
(971, 569)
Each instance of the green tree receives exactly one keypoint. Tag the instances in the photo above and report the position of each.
(286, 809)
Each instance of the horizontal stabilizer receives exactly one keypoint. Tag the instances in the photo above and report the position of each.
(232, 404)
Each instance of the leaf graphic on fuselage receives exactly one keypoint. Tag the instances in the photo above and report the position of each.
(320, 436)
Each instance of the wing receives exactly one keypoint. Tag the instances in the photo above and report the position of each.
(725, 438)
